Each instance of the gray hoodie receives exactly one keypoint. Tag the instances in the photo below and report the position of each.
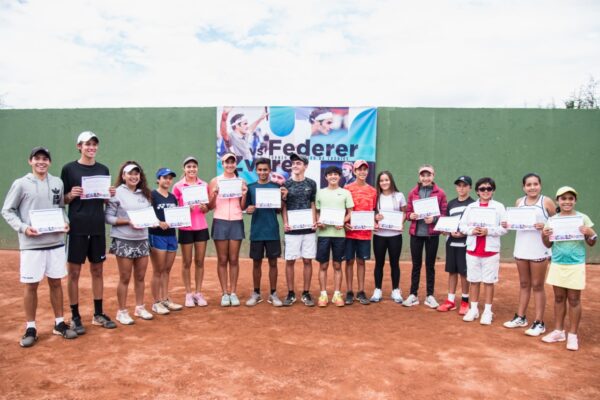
(123, 201)
(30, 193)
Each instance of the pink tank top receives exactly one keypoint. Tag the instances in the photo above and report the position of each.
(197, 216)
(227, 209)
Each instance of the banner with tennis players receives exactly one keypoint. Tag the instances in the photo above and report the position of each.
(326, 135)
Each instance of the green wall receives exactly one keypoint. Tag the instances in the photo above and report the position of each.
(561, 145)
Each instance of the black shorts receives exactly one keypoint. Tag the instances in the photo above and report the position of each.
(80, 247)
(189, 237)
(357, 248)
(336, 245)
(456, 260)
(265, 248)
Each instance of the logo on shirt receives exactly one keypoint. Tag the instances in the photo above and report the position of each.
(55, 196)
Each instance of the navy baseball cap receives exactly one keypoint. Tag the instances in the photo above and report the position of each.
(465, 179)
(165, 172)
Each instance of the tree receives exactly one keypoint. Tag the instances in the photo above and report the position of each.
(586, 98)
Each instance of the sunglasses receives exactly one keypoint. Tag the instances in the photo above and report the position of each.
(485, 189)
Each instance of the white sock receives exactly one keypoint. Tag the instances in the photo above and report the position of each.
(58, 320)
(323, 292)
(465, 295)
(488, 308)
(337, 292)
(451, 297)
(474, 305)
(30, 324)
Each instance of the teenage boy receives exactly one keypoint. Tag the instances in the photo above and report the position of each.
(358, 242)
(163, 243)
(41, 254)
(264, 234)
(456, 249)
(86, 239)
(300, 243)
(332, 238)
(483, 251)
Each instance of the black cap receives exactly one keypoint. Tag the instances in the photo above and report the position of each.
(296, 156)
(333, 169)
(40, 149)
(465, 179)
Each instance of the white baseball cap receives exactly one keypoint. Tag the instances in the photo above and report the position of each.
(85, 136)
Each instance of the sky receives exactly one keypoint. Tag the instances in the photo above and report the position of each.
(184, 53)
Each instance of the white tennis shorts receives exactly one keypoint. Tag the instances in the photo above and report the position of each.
(37, 263)
(300, 246)
(483, 269)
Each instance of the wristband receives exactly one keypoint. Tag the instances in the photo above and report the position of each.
(594, 237)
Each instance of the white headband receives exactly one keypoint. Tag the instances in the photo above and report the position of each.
(324, 116)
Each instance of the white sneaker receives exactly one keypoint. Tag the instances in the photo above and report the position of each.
(431, 302)
(397, 296)
(376, 298)
(471, 315)
(516, 322)
(273, 299)
(159, 308)
(536, 329)
(410, 301)
(572, 342)
(172, 306)
(140, 311)
(254, 299)
(233, 299)
(124, 318)
(225, 300)
(486, 318)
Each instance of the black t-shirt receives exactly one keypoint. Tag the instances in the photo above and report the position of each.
(300, 196)
(86, 216)
(455, 208)
(159, 202)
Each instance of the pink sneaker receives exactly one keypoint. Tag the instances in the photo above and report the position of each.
(554, 336)
(572, 342)
(200, 300)
(189, 300)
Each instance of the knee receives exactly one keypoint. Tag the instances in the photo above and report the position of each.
(525, 284)
(559, 298)
(54, 284)
(324, 266)
(96, 272)
(31, 287)
(234, 261)
(199, 263)
(222, 261)
(538, 287)
(125, 279)
(573, 301)
(74, 275)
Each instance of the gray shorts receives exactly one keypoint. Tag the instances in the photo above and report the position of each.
(129, 248)
(227, 230)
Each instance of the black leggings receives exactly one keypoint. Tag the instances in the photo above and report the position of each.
(393, 245)
(416, 251)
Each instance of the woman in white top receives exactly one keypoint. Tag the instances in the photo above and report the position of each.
(387, 240)
(532, 256)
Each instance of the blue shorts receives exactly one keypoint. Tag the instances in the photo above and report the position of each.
(356, 248)
(330, 245)
(165, 243)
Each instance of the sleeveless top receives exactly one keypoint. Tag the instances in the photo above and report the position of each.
(528, 244)
(227, 209)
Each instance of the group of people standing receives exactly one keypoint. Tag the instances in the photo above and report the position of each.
(472, 252)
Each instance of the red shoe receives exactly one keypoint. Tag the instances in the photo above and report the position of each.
(447, 306)
(464, 307)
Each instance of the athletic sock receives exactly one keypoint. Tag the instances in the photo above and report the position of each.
(273, 291)
(337, 292)
(487, 308)
(451, 297)
(291, 293)
(257, 290)
(98, 306)
(75, 310)
(58, 320)
(30, 324)
(465, 298)
(323, 292)
(474, 305)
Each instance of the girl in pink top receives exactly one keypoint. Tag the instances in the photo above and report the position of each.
(228, 230)
(194, 237)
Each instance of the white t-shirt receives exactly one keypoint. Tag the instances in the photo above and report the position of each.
(390, 202)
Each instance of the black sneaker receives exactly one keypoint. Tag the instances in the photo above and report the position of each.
(103, 321)
(63, 330)
(289, 300)
(308, 300)
(362, 298)
(29, 338)
(77, 326)
(349, 298)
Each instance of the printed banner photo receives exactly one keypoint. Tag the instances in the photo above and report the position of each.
(326, 135)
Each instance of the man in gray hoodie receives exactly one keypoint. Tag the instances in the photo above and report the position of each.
(42, 251)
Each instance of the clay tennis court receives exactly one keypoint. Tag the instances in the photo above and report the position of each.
(380, 351)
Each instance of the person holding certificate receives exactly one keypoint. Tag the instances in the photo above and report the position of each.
(86, 238)
(129, 242)
(41, 254)
(264, 231)
(483, 250)
(532, 255)
(331, 237)
(567, 268)
(163, 243)
(422, 235)
(358, 242)
(193, 239)
(228, 230)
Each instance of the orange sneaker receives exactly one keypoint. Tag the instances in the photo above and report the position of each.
(447, 306)
(323, 300)
(337, 300)
(464, 307)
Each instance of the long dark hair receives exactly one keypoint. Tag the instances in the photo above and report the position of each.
(393, 187)
(142, 184)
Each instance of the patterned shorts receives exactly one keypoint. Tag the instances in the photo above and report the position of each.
(129, 248)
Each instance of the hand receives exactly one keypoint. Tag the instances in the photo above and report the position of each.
(284, 193)
(286, 227)
(76, 191)
(547, 231)
(244, 189)
(227, 110)
(203, 208)
(457, 235)
(504, 224)
(483, 231)
(250, 209)
(586, 230)
(338, 227)
(428, 220)
(378, 217)
(347, 226)
(320, 225)
(67, 228)
(539, 226)
(163, 225)
(31, 231)
(413, 216)
(112, 190)
(314, 226)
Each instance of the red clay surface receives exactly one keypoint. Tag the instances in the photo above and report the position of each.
(380, 351)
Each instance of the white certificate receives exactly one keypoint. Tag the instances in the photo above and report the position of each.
(427, 207)
(447, 224)
(47, 221)
(566, 228)
(300, 219)
(362, 220)
(332, 216)
(268, 198)
(391, 220)
(230, 188)
(143, 218)
(95, 187)
(178, 217)
(520, 218)
(195, 194)
(482, 217)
